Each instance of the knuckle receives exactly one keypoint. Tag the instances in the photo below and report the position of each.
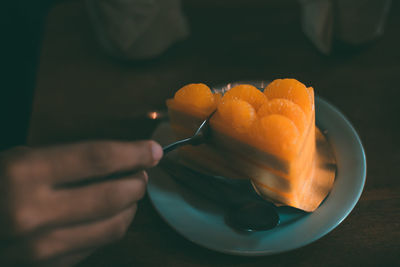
(49, 245)
(111, 199)
(39, 251)
(120, 227)
(124, 193)
(120, 224)
(141, 186)
(15, 168)
(144, 153)
(98, 154)
(37, 165)
(23, 221)
(120, 232)
(21, 165)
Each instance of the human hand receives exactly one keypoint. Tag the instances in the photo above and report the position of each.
(58, 204)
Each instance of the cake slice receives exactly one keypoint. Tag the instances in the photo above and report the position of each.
(268, 137)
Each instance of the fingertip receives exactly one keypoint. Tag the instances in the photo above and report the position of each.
(157, 151)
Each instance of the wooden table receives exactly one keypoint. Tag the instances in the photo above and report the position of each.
(83, 94)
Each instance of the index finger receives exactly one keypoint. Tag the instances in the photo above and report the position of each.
(88, 160)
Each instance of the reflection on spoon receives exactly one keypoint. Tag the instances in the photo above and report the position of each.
(253, 216)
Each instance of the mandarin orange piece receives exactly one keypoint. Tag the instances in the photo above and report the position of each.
(277, 134)
(286, 108)
(247, 93)
(292, 90)
(197, 95)
(237, 113)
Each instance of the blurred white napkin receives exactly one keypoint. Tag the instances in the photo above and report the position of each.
(137, 29)
(351, 21)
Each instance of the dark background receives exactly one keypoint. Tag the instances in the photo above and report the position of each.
(230, 40)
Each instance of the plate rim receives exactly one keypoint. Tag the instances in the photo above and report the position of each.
(329, 228)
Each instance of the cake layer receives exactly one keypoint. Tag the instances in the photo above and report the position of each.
(225, 155)
(284, 172)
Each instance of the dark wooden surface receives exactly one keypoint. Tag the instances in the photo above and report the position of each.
(83, 94)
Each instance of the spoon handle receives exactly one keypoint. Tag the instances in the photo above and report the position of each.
(197, 139)
(176, 144)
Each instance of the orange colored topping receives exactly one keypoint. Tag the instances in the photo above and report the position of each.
(247, 93)
(268, 137)
(237, 113)
(277, 134)
(286, 108)
(292, 90)
(196, 95)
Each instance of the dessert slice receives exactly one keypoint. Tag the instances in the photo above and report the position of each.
(269, 137)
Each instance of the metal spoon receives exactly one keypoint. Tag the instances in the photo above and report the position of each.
(198, 138)
(245, 209)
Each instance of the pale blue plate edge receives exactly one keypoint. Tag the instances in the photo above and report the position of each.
(328, 228)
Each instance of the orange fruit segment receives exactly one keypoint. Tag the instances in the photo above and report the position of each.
(247, 93)
(292, 90)
(286, 108)
(237, 113)
(195, 95)
(268, 137)
(276, 134)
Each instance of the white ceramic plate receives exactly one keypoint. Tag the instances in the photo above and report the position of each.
(203, 222)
